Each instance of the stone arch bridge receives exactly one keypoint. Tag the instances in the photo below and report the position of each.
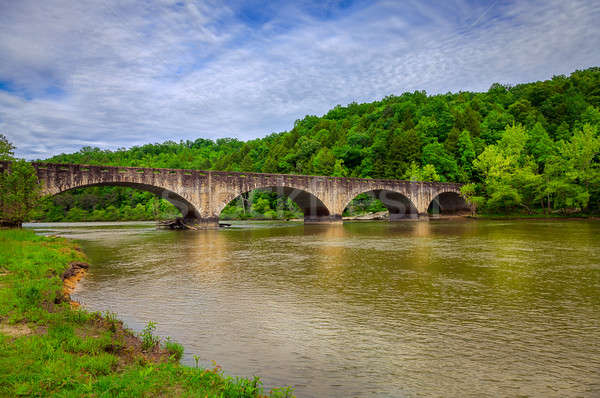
(202, 195)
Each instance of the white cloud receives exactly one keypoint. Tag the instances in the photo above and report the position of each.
(114, 74)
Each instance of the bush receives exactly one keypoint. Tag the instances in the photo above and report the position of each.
(174, 349)
(149, 340)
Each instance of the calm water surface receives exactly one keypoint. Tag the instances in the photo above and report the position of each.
(444, 308)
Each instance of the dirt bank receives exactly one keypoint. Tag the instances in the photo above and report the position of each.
(71, 277)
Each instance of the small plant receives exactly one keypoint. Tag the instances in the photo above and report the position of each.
(141, 360)
(101, 364)
(196, 358)
(145, 372)
(282, 392)
(112, 320)
(33, 295)
(149, 340)
(174, 349)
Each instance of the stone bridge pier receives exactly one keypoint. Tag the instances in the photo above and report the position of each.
(200, 196)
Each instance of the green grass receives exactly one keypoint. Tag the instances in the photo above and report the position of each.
(48, 348)
(174, 349)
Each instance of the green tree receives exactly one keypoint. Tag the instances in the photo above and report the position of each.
(404, 149)
(466, 149)
(495, 168)
(427, 129)
(539, 145)
(573, 173)
(513, 141)
(261, 205)
(591, 116)
(522, 111)
(324, 162)
(7, 150)
(469, 191)
(444, 163)
(112, 213)
(426, 173)
(339, 170)
(139, 212)
(494, 124)
(20, 193)
(126, 213)
(451, 143)
(510, 178)
(429, 174)
(75, 214)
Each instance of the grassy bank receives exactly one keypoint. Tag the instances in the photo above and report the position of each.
(49, 347)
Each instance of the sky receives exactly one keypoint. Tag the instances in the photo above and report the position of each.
(118, 73)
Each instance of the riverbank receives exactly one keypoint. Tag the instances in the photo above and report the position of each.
(50, 346)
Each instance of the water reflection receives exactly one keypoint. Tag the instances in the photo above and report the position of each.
(366, 309)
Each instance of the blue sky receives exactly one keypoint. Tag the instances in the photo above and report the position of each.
(120, 73)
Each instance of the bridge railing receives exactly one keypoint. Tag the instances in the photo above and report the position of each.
(82, 168)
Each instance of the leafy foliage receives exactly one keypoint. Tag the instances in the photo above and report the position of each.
(7, 149)
(149, 340)
(174, 349)
(19, 192)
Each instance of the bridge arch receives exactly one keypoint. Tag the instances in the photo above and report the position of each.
(447, 203)
(188, 210)
(398, 204)
(182, 188)
(311, 205)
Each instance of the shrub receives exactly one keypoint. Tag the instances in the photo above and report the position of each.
(174, 349)
(149, 340)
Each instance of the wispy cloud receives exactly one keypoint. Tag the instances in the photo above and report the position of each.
(120, 73)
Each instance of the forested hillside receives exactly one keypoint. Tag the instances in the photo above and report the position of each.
(530, 147)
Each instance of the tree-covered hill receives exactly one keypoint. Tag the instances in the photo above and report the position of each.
(528, 146)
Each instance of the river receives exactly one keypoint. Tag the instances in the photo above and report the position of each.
(364, 309)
